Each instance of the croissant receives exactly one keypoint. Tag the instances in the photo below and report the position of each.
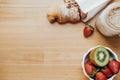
(68, 12)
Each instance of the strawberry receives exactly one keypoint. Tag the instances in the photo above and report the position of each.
(90, 70)
(100, 76)
(114, 65)
(89, 62)
(88, 30)
(107, 72)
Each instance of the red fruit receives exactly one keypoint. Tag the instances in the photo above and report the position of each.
(88, 30)
(89, 62)
(107, 72)
(114, 66)
(100, 76)
(89, 69)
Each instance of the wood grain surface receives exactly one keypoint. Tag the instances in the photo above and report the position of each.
(33, 49)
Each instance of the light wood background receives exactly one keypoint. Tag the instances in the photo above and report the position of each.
(33, 49)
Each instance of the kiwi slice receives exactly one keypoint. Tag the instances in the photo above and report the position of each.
(99, 56)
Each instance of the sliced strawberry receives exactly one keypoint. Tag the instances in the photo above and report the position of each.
(100, 76)
(90, 70)
(114, 65)
(88, 30)
(107, 71)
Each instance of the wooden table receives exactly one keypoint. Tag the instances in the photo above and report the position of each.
(33, 49)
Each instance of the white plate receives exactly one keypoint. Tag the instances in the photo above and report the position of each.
(92, 7)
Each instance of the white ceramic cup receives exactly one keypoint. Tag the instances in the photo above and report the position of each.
(103, 23)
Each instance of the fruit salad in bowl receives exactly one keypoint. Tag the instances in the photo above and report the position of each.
(100, 63)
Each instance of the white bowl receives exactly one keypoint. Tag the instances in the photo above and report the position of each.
(86, 57)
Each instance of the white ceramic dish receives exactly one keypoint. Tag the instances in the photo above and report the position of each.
(106, 26)
(92, 10)
(86, 57)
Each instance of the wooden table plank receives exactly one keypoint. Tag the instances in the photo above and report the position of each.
(33, 49)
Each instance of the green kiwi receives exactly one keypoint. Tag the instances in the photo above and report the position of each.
(100, 56)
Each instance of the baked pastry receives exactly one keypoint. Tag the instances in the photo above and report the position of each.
(67, 12)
